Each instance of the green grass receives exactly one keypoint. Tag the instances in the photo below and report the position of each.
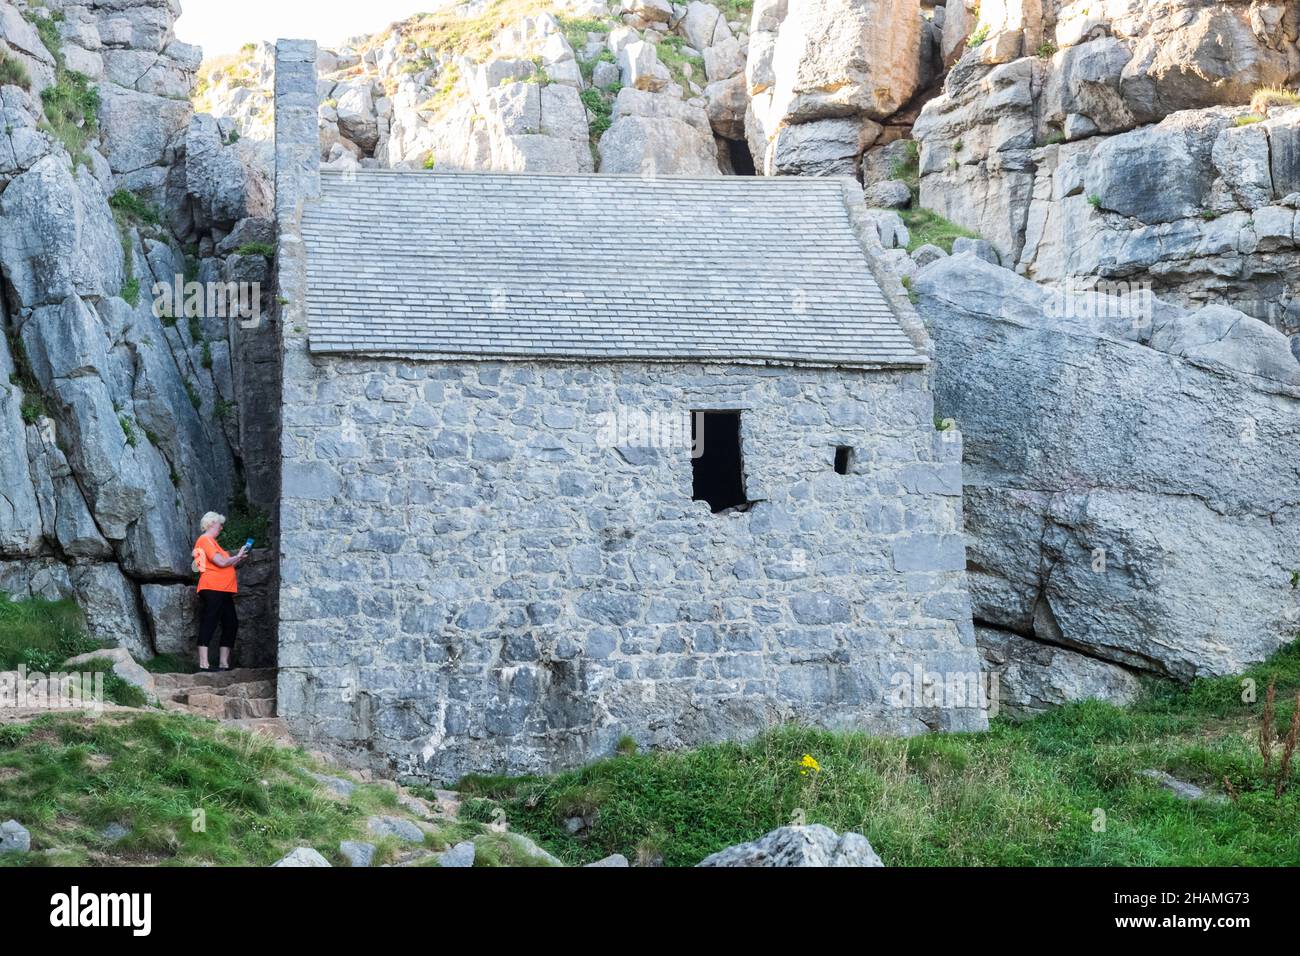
(40, 634)
(673, 55)
(131, 209)
(1025, 794)
(928, 227)
(189, 791)
(13, 73)
(264, 249)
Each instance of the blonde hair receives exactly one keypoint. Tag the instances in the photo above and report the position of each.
(209, 519)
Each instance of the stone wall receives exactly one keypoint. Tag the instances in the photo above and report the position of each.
(472, 580)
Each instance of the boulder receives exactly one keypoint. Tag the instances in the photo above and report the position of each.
(837, 58)
(830, 147)
(617, 861)
(658, 135)
(1137, 505)
(123, 665)
(398, 827)
(888, 194)
(805, 846)
(303, 856)
(357, 853)
(461, 856)
(14, 837)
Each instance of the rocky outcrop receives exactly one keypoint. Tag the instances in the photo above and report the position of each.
(545, 94)
(1125, 141)
(1130, 476)
(119, 413)
(830, 79)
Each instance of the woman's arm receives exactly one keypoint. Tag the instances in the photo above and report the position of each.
(222, 561)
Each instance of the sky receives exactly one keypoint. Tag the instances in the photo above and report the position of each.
(223, 26)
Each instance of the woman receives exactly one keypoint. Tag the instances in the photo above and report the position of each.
(217, 589)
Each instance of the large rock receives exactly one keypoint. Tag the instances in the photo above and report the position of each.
(846, 58)
(830, 147)
(137, 127)
(303, 856)
(224, 182)
(1032, 677)
(1133, 503)
(658, 135)
(814, 845)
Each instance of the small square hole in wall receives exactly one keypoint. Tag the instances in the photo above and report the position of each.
(843, 459)
(718, 474)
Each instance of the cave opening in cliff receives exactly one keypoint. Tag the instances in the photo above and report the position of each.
(718, 463)
(742, 162)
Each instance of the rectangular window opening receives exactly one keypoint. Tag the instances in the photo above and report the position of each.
(843, 459)
(717, 465)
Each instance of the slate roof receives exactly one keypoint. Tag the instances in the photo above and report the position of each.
(596, 267)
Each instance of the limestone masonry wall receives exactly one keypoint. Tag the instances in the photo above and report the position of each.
(473, 580)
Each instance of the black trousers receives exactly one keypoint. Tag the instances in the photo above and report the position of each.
(217, 608)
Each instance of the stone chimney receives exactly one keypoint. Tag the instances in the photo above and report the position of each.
(297, 133)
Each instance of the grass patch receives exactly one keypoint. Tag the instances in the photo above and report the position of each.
(673, 55)
(32, 407)
(264, 249)
(40, 634)
(13, 73)
(1248, 119)
(1270, 96)
(1065, 789)
(928, 227)
(189, 792)
(71, 104)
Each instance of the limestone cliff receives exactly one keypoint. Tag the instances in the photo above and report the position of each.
(120, 418)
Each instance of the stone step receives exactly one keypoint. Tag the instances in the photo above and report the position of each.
(241, 675)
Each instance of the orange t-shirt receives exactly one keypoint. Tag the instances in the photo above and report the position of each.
(211, 577)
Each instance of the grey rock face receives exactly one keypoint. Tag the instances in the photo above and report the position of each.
(617, 861)
(226, 182)
(658, 134)
(811, 846)
(303, 856)
(1136, 504)
(68, 243)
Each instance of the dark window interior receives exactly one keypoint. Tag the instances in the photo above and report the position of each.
(719, 475)
(843, 459)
